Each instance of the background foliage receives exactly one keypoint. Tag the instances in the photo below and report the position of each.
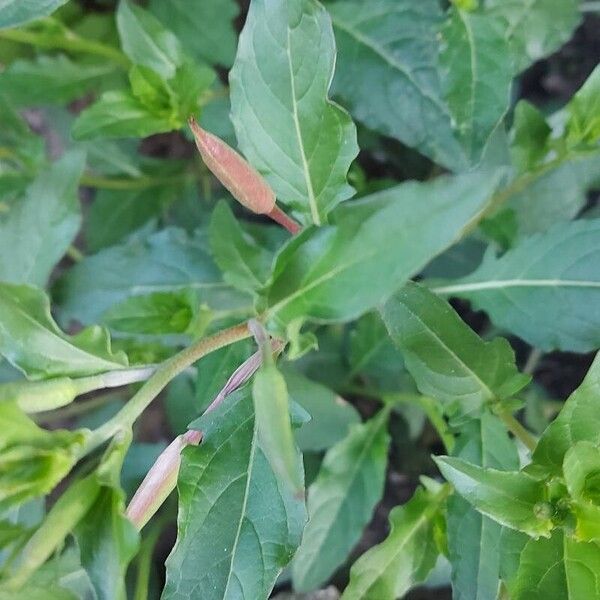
(430, 382)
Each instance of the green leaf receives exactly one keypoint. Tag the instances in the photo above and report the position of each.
(272, 414)
(556, 270)
(206, 32)
(554, 194)
(447, 359)
(285, 124)
(578, 421)
(512, 498)
(31, 340)
(530, 136)
(51, 80)
(156, 313)
(169, 260)
(581, 470)
(40, 227)
(560, 568)
(107, 539)
(118, 114)
(535, 28)
(476, 73)
(245, 262)
(387, 73)
(17, 12)
(341, 501)
(116, 213)
(145, 40)
(372, 247)
(473, 539)
(32, 460)
(331, 415)
(230, 500)
(387, 571)
(583, 124)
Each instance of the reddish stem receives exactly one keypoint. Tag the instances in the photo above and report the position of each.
(280, 217)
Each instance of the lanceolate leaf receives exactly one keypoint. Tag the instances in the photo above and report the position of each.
(206, 31)
(545, 290)
(578, 421)
(474, 539)
(584, 112)
(476, 76)
(341, 501)
(559, 567)
(17, 12)
(447, 359)
(405, 557)
(146, 42)
(535, 28)
(272, 413)
(387, 73)
(231, 500)
(285, 124)
(512, 498)
(373, 246)
(32, 341)
(39, 228)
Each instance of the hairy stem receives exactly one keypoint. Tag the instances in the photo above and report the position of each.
(158, 381)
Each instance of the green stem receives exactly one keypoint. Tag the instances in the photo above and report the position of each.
(161, 377)
(75, 254)
(518, 430)
(144, 561)
(533, 360)
(69, 42)
(117, 183)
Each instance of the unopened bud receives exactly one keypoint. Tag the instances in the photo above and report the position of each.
(244, 183)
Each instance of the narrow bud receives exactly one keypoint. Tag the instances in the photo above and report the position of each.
(160, 480)
(244, 183)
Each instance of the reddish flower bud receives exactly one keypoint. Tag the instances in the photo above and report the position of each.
(244, 183)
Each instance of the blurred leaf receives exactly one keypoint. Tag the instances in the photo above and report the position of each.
(331, 415)
(373, 246)
(556, 270)
(512, 498)
(447, 359)
(473, 539)
(285, 123)
(476, 73)
(245, 263)
(145, 40)
(234, 502)
(38, 229)
(116, 213)
(387, 571)
(206, 32)
(168, 260)
(272, 414)
(118, 114)
(535, 28)
(530, 136)
(578, 421)
(155, 313)
(51, 80)
(583, 125)
(341, 501)
(31, 340)
(559, 567)
(387, 73)
(32, 460)
(18, 12)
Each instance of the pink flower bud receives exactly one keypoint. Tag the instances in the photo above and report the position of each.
(244, 183)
